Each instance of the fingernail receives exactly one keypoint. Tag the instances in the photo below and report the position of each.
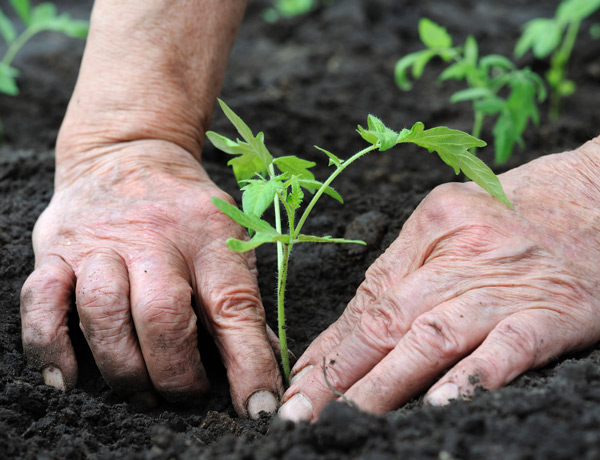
(300, 374)
(442, 395)
(261, 401)
(297, 409)
(148, 399)
(53, 377)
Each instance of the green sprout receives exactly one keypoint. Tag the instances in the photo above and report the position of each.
(282, 182)
(290, 8)
(487, 78)
(556, 36)
(40, 18)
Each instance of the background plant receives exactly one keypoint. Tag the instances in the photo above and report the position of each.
(290, 8)
(556, 37)
(282, 182)
(495, 86)
(40, 18)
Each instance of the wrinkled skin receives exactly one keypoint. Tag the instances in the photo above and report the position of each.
(470, 286)
(132, 236)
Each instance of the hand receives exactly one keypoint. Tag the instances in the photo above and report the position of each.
(470, 286)
(132, 234)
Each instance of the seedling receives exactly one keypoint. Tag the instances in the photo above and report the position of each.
(42, 17)
(290, 8)
(282, 182)
(488, 78)
(556, 36)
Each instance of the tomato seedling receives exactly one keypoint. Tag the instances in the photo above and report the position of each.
(556, 36)
(282, 182)
(486, 78)
(40, 18)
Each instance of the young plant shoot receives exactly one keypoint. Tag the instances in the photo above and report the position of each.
(40, 18)
(556, 36)
(282, 182)
(486, 78)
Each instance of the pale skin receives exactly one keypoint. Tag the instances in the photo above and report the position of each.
(130, 234)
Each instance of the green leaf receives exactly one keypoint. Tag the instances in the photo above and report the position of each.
(313, 185)
(258, 239)
(471, 50)
(325, 239)
(258, 195)
(295, 166)
(296, 195)
(433, 35)
(496, 60)
(470, 94)
(402, 66)
(419, 65)
(453, 148)
(456, 71)
(43, 13)
(23, 9)
(333, 160)
(246, 220)
(576, 10)
(8, 83)
(541, 35)
(7, 30)
(490, 105)
(256, 142)
(70, 27)
(378, 134)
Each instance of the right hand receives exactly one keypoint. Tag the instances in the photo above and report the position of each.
(130, 233)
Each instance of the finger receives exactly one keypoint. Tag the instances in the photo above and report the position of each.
(102, 292)
(45, 304)
(523, 341)
(389, 269)
(381, 326)
(166, 327)
(235, 317)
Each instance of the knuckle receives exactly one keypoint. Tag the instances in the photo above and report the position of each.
(382, 325)
(376, 282)
(434, 337)
(236, 304)
(519, 337)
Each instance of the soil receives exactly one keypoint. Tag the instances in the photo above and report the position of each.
(308, 80)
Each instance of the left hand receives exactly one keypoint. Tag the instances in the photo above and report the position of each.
(470, 286)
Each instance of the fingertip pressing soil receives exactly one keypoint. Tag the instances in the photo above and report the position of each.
(304, 81)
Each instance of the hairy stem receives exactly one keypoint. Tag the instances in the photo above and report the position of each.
(295, 232)
(285, 361)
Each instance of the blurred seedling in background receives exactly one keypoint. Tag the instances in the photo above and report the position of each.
(40, 18)
(282, 182)
(555, 37)
(291, 8)
(496, 87)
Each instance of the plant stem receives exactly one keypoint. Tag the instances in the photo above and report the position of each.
(477, 125)
(285, 361)
(295, 232)
(559, 60)
(16, 45)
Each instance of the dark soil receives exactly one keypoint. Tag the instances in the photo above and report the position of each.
(304, 81)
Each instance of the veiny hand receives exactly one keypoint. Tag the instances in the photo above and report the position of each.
(132, 234)
(470, 286)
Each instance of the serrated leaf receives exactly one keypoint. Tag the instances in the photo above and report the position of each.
(43, 13)
(23, 9)
(246, 220)
(378, 134)
(8, 83)
(257, 240)
(470, 94)
(295, 166)
(433, 35)
(541, 35)
(296, 195)
(333, 160)
(576, 10)
(7, 30)
(402, 66)
(258, 195)
(453, 148)
(326, 239)
(255, 142)
(313, 185)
